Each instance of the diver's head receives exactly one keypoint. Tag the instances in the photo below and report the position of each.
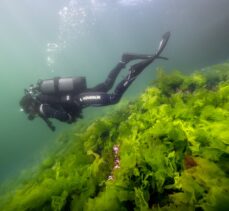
(29, 105)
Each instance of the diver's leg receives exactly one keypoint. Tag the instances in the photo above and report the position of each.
(108, 83)
(134, 71)
(96, 98)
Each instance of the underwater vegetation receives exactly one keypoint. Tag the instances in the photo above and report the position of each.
(167, 150)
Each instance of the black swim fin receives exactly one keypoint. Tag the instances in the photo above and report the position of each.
(162, 44)
(127, 57)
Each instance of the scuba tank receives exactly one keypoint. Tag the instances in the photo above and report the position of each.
(59, 86)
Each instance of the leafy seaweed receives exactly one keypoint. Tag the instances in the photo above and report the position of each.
(174, 153)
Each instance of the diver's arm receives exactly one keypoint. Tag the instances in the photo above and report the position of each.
(48, 122)
(48, 111)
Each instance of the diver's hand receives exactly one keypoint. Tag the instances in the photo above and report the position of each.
(70, 119)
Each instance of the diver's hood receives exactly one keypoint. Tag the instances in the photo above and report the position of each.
(27, 103)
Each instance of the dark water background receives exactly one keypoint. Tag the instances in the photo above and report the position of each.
(48, 38)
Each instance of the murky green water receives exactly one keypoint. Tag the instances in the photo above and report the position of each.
(44, 39)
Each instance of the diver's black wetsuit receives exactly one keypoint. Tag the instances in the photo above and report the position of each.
(64, 98)
(68, 107)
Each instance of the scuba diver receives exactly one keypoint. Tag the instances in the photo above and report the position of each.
(64, 98)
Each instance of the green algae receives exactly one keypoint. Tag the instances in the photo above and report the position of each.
(174, 153)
